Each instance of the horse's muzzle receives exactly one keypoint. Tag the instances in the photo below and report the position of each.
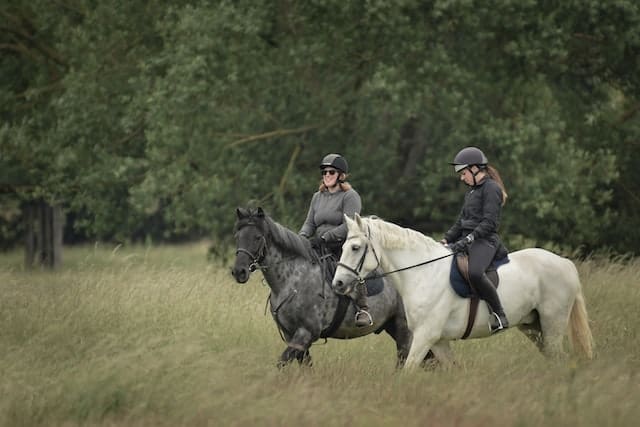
(241, 274)
(342, 288)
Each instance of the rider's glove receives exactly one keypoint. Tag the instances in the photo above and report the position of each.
(458, 246)
(316, 242)
(462, 244)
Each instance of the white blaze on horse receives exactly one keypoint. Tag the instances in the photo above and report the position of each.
(540, 291)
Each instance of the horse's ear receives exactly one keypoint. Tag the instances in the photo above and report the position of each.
(260, 212)
(358, 219)
(348, 221)
(352, 224)
(241, 213)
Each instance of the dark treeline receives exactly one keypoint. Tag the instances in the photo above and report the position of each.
(156, 119)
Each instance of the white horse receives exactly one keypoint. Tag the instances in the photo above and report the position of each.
(540, 291)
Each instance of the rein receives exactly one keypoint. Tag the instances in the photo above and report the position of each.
(358, 269)
(410, 267)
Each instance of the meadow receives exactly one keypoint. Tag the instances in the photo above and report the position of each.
(161, 336)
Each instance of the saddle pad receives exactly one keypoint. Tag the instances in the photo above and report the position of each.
(374, 285)
(460, 284)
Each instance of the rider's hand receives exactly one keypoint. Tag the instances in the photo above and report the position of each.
(316, 242)
(462, 244)
(458, 246)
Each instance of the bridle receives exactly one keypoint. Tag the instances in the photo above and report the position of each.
(358, 268)
(258, 257)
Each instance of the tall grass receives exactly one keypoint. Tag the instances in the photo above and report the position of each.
(159, 337)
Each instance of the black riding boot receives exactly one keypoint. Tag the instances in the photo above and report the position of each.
(363, 318)
(498, 320)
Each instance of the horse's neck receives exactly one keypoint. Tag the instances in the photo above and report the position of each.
(424, 256)
(287, 272)
(280, 269)
(273, 264)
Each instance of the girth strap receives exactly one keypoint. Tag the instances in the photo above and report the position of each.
(338, 316)
(463, 266)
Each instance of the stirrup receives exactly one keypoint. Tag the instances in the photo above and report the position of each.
(498, 326)
(369, 318)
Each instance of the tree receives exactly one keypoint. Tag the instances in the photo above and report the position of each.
(155, 119)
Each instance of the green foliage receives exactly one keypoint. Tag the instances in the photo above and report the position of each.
(148, 119)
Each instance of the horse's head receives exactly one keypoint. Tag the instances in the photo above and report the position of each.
(251, 243)
(358, 258)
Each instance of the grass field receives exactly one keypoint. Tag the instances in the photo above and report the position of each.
(160, 337)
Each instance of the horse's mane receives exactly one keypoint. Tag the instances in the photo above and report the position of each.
(393, 236)
(287, 239)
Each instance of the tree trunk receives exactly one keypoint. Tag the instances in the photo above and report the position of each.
(43, 237)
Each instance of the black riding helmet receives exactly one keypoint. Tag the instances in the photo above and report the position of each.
(468, 157)
(335, 161)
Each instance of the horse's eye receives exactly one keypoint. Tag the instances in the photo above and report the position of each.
(355, 248)
(257, 238)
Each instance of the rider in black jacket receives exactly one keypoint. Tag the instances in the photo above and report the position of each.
(476, 229)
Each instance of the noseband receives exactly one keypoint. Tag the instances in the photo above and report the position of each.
(358, 269)
(256, 259)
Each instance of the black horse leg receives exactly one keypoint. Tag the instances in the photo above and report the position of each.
(291, 353)
(298, 349)
(288, 355)
(304, 358)
(399, 331)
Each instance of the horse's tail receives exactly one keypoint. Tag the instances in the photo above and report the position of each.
(579, 330)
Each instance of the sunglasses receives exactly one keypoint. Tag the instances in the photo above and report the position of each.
(329, 171)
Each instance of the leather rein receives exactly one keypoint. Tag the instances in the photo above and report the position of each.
(358, 268)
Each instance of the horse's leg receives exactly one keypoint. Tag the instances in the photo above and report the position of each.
(533, 331)
(295, 353)
(287, 356)
(399, 331)
(297, 349)
(423, 340)
(304, 358)
(553, 326)
(440, 353)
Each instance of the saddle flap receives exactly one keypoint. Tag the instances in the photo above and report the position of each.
(459, 276)
(460, 283)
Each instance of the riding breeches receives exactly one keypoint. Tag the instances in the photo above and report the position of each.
(481, 254)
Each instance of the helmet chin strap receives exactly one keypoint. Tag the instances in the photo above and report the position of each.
(474, 174)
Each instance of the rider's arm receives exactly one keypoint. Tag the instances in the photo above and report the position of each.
(309, 226)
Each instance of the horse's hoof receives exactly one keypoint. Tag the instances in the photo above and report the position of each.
(283, 364)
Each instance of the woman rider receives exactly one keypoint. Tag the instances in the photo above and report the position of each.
(476, 229)
(324, 225)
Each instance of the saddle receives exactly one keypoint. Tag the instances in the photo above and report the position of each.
(459, 278)
(328, 263)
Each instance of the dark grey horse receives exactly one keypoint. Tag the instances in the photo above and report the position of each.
(303, 305)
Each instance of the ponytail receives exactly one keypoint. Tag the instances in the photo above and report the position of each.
(495, 175)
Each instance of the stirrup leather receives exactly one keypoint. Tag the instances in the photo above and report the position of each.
(365, 312)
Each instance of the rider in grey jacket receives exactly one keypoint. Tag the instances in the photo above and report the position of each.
(324, 225)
